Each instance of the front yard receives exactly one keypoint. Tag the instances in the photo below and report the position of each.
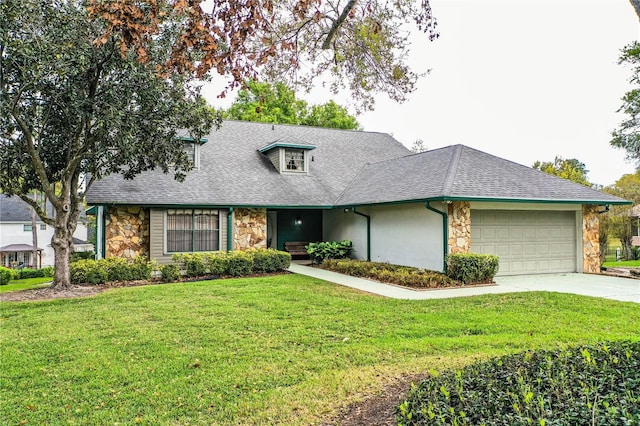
(284, 349)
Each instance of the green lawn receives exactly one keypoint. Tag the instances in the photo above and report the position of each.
(25, 284)
(622, 264)
(284, 349)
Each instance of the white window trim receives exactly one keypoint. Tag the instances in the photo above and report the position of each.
(283, 163)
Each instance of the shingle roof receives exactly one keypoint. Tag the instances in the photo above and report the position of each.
(13, 209)
(234, 173)
(459, 172)
(346, 168)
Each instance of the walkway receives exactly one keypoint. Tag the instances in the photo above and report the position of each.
(622, 289)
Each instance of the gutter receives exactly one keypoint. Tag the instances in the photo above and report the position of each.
(353, 209)
(445, 234)
(229, 230)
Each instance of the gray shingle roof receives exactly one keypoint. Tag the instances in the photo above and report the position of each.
(346, 168)
(233, 172)
(459, 172)
(13, 209)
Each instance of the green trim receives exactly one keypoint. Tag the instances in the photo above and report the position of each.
(286, 145)
(104, 232)
(445, 234)
(93, 210)
(353, 209)
(218, 206)
(483, 199)
(230, 230)
(201, 141)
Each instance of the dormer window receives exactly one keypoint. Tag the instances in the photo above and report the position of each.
(191, 147)
(288, 156)
(294, 160)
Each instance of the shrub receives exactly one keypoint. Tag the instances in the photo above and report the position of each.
(389, 273)
(239, 263)
(6, 275)
(48, 271)
(117, 269)
(140, 268)
(472, 267)
(268, 260)
(217, 263)
(80, 255)
(31, 273)
(318, 252)
(284, 259)
(170, 273)
(584, 385)
(89, 272)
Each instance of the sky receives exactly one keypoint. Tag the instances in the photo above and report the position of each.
(523, 80)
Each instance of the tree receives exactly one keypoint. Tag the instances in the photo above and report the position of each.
(277, 103)
(627, 136)
(618, 221)
(73, 111)
(570, 169)
(359, 46)
(636, 7)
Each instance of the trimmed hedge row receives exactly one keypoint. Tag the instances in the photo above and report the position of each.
(89, 271)
(472, 267)
(584, 385)
(389, 273)
(219, 263)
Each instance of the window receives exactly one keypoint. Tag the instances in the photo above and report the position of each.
(294, 160)
(43, 226)
(192, 230)
(27, 228)
(192, 150)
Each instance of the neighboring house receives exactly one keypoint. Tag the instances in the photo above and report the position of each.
(635, 214)
(260, 185)
(16, 239)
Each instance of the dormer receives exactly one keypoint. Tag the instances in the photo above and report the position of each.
(192, 147)
(288, 155)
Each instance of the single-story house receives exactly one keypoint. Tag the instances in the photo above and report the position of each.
(261, 185)
(16, 235)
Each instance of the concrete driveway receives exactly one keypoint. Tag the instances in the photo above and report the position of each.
(622, 289)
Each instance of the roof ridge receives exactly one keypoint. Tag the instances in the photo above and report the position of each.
(348, 185)
(453, 169)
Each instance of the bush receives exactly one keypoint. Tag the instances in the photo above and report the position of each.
(88, 271)
(395, 274)
(6, 275)
(117, 269)
(472, 268)
(31, 273)
(217, 263)
(319, 252)
(140, 269)
(81, 255)
(239, 263)
(170, 273)
(584, 385)
(268, 261)
(48, 271)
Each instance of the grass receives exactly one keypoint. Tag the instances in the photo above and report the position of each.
(25, 284)
(622, 264)
(284, 349)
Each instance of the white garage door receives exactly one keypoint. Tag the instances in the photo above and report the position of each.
(527, 242)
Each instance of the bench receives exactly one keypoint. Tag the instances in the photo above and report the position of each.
(296, 248)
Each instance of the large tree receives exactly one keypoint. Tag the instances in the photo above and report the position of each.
(571, 169)
(627, 135)
(620, 222)
(277, 103)
(73, 110)
(360, 46)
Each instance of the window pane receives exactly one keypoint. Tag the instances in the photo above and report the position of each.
(294, 159)
(26, 228)
(196, 231)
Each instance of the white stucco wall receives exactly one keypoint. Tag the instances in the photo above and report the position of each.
(404, 234)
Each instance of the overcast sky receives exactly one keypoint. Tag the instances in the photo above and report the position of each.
(521, 79)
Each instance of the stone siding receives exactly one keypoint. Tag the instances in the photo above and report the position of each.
(249, 228)
(590, 239)
(127, 232)
(459, 227)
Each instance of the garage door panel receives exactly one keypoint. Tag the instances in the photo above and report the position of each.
(527, 242)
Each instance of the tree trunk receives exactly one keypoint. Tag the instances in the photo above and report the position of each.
(62, 244)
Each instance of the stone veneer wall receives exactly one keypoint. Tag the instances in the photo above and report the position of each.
(249, 228)
(459, 227)
(590, 239)
(127, 232)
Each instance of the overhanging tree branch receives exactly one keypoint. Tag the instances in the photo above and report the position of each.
(337, 23)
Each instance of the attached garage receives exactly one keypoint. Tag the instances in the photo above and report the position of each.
(527, 242)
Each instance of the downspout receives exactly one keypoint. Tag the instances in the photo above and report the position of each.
(229, 230)
(353, 209)
(445, 234)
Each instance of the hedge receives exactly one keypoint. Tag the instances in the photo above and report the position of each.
(582, 385)
(89, 271)
(7, 275)
(390, 273)
(472, 267)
